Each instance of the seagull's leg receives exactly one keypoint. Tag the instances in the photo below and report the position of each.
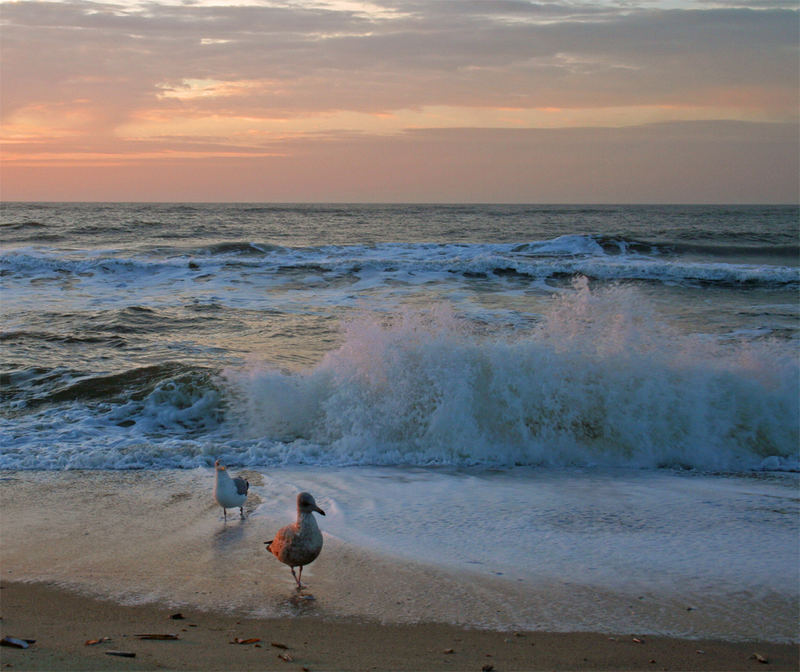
(225, 514)
(241, 512)
(299, 585)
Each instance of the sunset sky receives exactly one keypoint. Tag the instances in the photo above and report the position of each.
(556, 101)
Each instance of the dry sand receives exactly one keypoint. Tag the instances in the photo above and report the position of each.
(61, 622)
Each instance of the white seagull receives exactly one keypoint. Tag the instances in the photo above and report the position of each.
(229, 492)
(299, 544)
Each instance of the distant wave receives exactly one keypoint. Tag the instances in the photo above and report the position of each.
(114, 328)
(22, 226)
(600, 258)
(726, 249)
(238, 248)
(29, 232)
(37, 264)
(26, 336)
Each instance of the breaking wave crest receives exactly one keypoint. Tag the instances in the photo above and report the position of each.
(600, 381)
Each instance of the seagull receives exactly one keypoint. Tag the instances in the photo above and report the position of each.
(300, 543)
(229, 492)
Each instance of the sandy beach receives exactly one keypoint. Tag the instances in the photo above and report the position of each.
(95, 555)
(108, 556)
(63, 622)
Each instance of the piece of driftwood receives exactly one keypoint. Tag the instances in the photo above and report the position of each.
(121, 654)
(156, 636)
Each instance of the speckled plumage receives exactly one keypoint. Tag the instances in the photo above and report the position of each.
(300, 543)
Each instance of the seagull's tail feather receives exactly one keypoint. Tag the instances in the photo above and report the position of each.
(267, 543)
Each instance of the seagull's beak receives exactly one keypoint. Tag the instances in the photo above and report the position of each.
(318, 510)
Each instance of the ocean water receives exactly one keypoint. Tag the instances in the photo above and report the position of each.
(604, 391)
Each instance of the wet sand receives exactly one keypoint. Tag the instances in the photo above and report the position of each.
(92, 555)
(61, 622)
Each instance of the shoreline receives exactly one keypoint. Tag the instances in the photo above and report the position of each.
(62, 621)
(157, 537)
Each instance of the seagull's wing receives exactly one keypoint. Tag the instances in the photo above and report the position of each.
(286, 534)
(281, 544)
(242, 486)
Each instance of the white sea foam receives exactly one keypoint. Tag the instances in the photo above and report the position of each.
(599, 382)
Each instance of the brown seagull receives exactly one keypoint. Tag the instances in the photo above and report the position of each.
(299, 544)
